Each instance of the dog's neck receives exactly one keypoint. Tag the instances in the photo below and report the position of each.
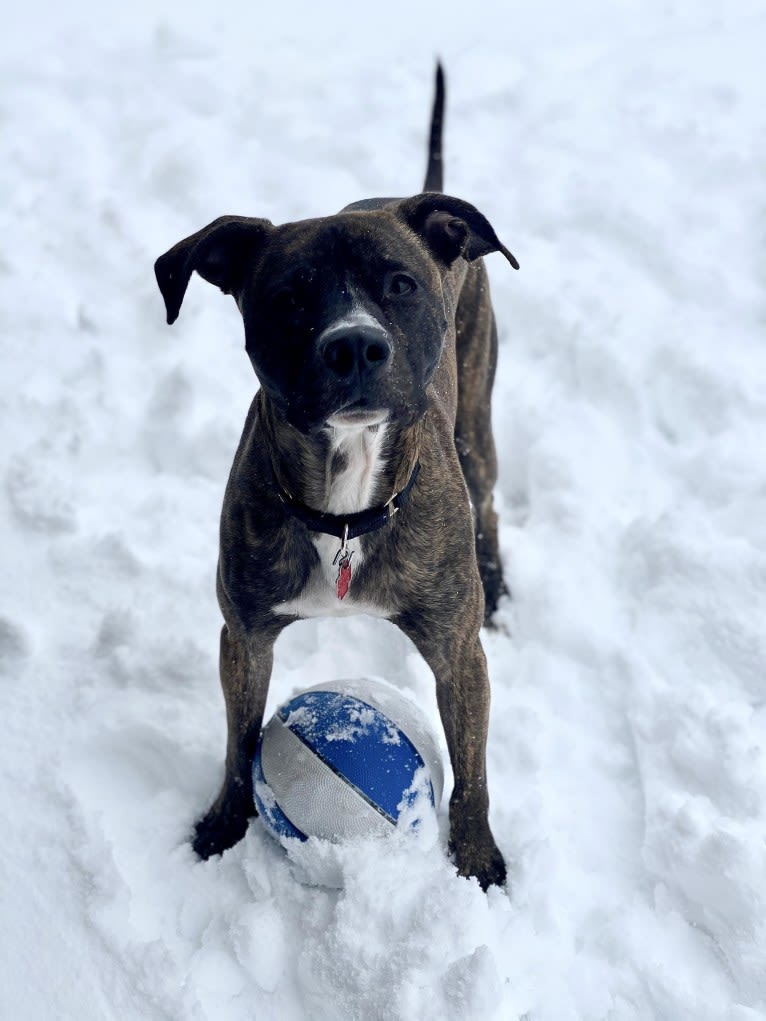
(343, 470)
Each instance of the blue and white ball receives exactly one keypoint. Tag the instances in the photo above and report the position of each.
(346, 759)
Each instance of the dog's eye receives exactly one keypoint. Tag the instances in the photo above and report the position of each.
(289, 301)
(400, 284)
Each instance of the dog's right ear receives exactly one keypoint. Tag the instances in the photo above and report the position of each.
(220, 253)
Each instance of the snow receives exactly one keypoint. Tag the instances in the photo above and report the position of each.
(618, 150)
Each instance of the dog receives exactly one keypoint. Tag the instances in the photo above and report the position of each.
(363, 479)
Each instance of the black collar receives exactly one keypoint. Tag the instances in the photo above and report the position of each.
(347, 526)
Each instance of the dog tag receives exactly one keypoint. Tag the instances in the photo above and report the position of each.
(344, 575)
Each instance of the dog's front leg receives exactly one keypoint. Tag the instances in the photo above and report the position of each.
(245, 666)
(462, 694)
(462, 690)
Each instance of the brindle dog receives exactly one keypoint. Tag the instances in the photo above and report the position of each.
(363, 480)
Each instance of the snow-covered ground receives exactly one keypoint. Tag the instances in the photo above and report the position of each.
(620, 151)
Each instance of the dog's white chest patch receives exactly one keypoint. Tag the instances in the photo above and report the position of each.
(358, 452)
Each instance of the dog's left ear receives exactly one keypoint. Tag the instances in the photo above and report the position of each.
(451, 228)
(220, 253)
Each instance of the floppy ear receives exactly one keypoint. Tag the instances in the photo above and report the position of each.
(219, 252)
(451, 227)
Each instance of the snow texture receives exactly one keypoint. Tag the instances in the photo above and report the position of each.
(619, 151)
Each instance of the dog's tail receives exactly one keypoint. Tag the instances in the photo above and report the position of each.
(434, 172)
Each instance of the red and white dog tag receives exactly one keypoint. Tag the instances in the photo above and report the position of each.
(343, 580)
(343, 560)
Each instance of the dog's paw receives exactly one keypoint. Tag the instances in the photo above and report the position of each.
(493, 874)
(495, 589)
(485, 865)
(219, 830)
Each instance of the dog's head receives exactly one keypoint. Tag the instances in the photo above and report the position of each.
(345, 316)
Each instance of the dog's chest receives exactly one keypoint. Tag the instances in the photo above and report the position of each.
(356, 461)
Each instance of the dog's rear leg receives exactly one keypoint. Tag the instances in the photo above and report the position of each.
(477, 359)
(480, 473)
(245, 672)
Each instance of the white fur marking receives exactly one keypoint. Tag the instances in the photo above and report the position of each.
(350, 491)
(362, 447)
(357, 316)
(318, 600)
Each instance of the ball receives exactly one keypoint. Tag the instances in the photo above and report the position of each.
(346, 759)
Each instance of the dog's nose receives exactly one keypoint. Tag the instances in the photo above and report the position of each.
(355, 349)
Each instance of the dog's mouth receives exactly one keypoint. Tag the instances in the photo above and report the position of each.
(356, 418)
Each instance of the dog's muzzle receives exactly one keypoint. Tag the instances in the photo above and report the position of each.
(356, 348)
